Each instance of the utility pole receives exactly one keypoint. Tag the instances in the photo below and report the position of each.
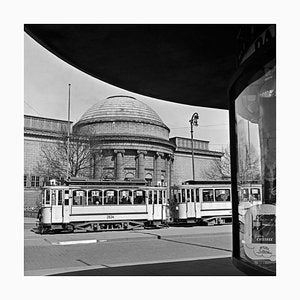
(194, 122)
(68, 127)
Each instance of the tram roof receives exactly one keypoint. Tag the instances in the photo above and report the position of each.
(95, 182)
(184, 63)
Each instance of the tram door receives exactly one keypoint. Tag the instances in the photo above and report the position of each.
(66, 207)
(197, 203)
(190, 203)
(60, 212)
(150, 195)
(158, 205)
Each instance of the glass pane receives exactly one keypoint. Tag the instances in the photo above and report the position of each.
(222, 195)
(125, 197)
(110, 197)
(139, 197)
(59, 197)
(95, 197)
(208, 195)
(197, 195)
(183, 195)
(150, 197)
(256, 132)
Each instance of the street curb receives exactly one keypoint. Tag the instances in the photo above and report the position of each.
(147, 236)
(97, 241)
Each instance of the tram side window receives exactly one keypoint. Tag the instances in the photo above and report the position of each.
(95, 198)
(255, 194)
(208, 195)
(222, 195)
(79, 198)
(139, 197)
(245, 194)
(110, 197)
(125, 197)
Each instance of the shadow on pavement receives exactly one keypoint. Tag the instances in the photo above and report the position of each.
(207, 267)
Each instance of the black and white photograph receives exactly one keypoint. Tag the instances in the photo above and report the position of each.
(128, 168)
(144, 150)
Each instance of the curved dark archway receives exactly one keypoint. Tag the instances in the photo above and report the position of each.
(190, 64)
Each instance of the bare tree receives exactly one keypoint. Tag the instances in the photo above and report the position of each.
(248, 164)
(54, 158)
(219, 169)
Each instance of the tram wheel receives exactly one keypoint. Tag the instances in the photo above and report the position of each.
(70, 228)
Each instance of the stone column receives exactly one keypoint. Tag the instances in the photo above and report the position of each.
(97, 164)
(141, 164)
(157, 167)
(170, 159)
(119, 164)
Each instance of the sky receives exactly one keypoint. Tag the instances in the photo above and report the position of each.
(46, 79)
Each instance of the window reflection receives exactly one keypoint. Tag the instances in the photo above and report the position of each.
(256, 132)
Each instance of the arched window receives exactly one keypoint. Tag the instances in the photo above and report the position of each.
(129, 176)
(148, 179)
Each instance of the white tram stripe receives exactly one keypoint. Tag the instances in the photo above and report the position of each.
(78, 242)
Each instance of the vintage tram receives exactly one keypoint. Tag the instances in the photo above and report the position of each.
(209, 202)
(91, 205)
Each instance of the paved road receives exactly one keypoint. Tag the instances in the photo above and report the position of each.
(60, 253)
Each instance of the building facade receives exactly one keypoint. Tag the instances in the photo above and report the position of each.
(130, 141)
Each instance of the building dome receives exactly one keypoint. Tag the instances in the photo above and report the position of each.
(121, 108)
(122, 116)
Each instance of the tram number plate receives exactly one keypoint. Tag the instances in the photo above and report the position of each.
(110, 217)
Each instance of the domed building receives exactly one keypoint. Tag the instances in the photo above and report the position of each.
(129, 142)
(132, 140)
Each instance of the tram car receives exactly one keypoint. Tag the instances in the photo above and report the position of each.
(208, 202)
(249, 195)
(98, 206)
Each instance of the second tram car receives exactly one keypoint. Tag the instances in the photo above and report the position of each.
(94, 206)
(208, 202)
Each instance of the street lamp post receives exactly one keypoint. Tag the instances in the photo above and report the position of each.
(194, 122)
